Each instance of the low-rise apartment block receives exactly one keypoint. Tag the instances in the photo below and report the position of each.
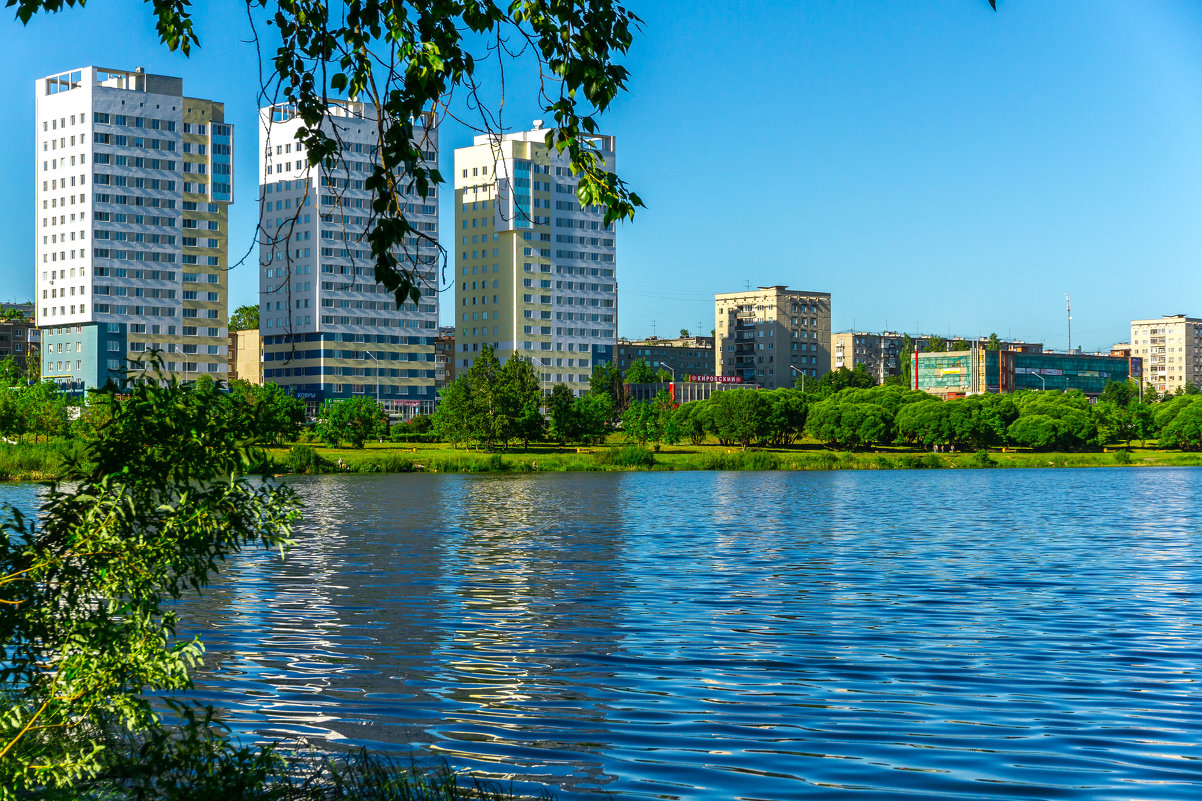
(682, 356)
(1171, 350)
(770, 335)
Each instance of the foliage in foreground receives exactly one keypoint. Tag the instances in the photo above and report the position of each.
(145, 518)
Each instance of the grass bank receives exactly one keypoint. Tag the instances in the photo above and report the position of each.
(41, 461)
(619, 456)
(26, 461)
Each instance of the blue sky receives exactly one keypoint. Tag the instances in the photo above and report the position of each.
(935, 166)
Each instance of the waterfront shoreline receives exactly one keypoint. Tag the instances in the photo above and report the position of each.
(41, 462)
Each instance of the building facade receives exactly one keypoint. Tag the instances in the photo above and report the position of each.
(1171, 350)
(246, 356)
(444, 357)
(534, 270)
(329, 330)
(771, 335)
(133, 189)
(881, 354)
(954, 374)
(18, 341)
(682, 356)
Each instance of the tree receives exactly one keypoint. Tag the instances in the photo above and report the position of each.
(651, 421)
(1184, 431)
(10, 372)
(85, 618)
(684, 333)
(604, 379)
(994, 342)
(786, 417)
(594, 414)
(740, 415)
(43, 409)
(690, 421)
(521, 396)
(351, 420)
(961, 344)
(1120, 393)
(1036, 431)
(491, 414)
(561, 409)
(843, 378)
(639, 372)
(406, 60)
(935, 344)
(276, 415)
(846, 423)
(244, 318)
(454, 419)
(33, 367)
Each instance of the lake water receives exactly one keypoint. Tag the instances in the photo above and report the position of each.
(926, 634)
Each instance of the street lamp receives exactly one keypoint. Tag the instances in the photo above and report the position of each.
(803, 376)
(1041, 381)
(377, 361)
(670, 370)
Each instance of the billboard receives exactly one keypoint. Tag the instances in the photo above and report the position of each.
(716, 379)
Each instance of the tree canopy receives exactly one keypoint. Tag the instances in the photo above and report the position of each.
(244, 318)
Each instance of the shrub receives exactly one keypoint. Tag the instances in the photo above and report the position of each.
(305, 459)
(1122, 457)
(400, 435)
(927, 461)
(626, 456)
(741, 460)
(981, 459)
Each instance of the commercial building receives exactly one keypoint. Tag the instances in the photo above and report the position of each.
(954, 374)
(880, 353)
(1171, 349)
(535, 271)
(771, 335)
(246, 356)
(329, 330)
(682, 356)
(134, 182)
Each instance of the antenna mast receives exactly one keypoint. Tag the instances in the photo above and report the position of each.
(1068, 310)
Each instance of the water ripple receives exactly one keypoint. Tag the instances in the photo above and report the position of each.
(926, 634)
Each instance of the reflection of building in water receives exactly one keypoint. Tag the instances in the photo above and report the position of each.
(524, 575)
(316, 640)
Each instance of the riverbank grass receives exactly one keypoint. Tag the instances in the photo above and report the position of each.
(617, 455)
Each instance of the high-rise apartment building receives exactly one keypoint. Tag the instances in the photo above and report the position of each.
(133, 189)
(330, 331)
(771, 335)
(534, 273)
(1171, 349)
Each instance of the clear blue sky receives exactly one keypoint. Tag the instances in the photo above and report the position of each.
(935, 166)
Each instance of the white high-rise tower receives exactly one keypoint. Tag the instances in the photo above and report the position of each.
(134, 182)
(329, 330)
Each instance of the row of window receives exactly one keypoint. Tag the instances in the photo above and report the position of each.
(121, 140)
(131, 121)
(136, 200)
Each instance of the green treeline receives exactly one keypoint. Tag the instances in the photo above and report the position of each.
(494, 405)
